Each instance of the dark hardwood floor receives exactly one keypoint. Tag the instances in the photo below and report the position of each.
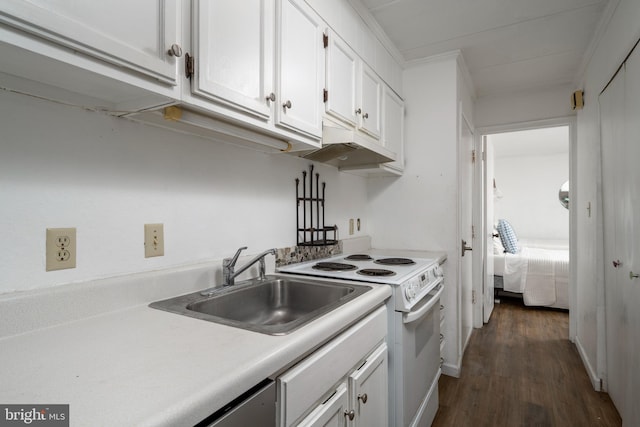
(521, 370)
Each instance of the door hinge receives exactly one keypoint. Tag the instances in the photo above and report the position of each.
(473, 156)
(325, 95)
(473, 232)
(325, 40)
(473, 297)
(189, 64)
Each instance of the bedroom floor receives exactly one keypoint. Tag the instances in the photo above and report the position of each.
(521, 370)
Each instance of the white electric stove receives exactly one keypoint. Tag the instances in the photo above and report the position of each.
(413, 335)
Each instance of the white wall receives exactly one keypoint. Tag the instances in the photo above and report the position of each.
(620, 34)
(529, 186)
(419, 209)
(526, 106)
(66, 167)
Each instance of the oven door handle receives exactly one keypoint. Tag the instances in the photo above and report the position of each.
(412, 316)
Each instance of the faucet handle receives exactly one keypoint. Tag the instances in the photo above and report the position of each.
(232, 261)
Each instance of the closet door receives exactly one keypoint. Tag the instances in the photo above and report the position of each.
(612, 133)
(631, 215)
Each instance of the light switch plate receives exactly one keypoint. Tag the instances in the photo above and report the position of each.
(60, 248)
(153, 240)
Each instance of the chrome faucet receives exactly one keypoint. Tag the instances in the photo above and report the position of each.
(229, 273)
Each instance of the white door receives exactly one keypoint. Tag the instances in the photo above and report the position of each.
(465, 177)
(110, 31)
(489, 198)
(330, 413)
(233, 44)
(368, 391)
(630, 214)
(341, 79)
(612, 135)
(301, 68)
(370, 101)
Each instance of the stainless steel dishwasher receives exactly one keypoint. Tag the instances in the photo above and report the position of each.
(255, 408)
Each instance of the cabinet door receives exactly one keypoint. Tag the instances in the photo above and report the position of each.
(135, 35)
(234, 52)
(368, 391)
(301, 71)
(341, 80)
(330, 413)
(393, 126)
(370, 97)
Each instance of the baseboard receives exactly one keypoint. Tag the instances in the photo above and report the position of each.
(451, 370)
(595, 381)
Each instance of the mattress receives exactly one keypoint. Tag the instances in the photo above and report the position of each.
(540, 275)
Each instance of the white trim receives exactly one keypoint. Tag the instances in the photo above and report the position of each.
(454, 54)
(451, 370)
(595, 380)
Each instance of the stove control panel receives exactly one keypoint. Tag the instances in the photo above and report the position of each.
(414, 289)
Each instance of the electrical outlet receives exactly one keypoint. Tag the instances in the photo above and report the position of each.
(61, 248)
(153, 240)
(350, 226)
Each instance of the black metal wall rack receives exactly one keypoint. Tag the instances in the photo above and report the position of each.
(310, 213)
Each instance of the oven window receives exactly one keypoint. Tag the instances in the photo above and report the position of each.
(423, 333)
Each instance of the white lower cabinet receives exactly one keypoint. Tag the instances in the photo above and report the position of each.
(344, 383)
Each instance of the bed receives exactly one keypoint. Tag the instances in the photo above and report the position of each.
(538, 271)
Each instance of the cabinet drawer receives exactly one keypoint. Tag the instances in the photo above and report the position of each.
(304, 384)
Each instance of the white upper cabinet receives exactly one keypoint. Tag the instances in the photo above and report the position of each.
(301, 68)
(342, 69)
(134, 35)
(233, 43)
(393, 126)
(370, 97)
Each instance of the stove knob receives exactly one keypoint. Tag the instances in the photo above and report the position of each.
(408, 292)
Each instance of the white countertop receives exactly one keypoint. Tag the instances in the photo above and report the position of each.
(142, 366)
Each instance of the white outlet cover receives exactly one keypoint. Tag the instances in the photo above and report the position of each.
(60, 248)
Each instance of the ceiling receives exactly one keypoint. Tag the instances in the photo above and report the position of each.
(507, 45)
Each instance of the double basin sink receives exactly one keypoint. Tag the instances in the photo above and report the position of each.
(275, 305)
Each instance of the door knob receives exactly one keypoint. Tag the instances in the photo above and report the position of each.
(633, 275)
(464, 248)
(271, 97)
(363, 397)
(286, 105)
(350, 414)
(617, 263)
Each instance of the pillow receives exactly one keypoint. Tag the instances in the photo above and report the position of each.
(508, 237)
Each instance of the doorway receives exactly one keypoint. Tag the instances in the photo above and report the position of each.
(520, 178)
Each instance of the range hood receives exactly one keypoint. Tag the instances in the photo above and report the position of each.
(348, 148)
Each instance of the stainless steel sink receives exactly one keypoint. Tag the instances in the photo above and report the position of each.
(275, 306)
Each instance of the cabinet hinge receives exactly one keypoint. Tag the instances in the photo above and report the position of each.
(473, 297)
(325, 95)
(189, 64)
(473, 232)
(473, 156)
(325, 40)
(484, 156)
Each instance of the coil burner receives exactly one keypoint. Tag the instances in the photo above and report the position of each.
(375, 272)
(333, 266)
(359, 257)
(395, 261)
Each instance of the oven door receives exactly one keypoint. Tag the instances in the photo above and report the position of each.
(418, 349)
